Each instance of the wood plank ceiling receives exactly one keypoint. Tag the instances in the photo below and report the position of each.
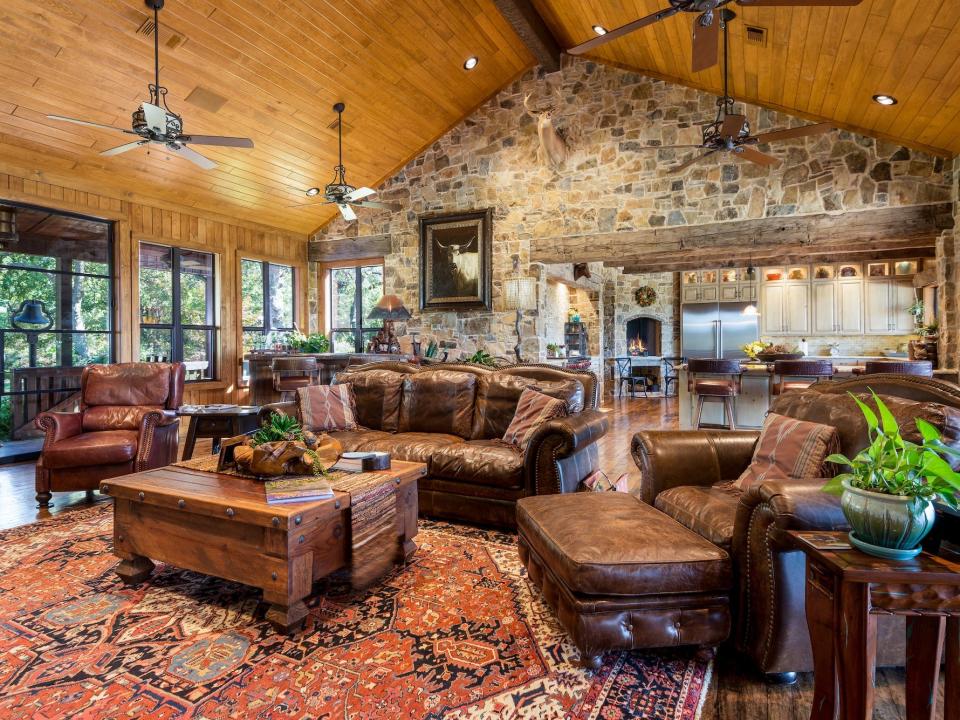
(267, 69)
(819, 63)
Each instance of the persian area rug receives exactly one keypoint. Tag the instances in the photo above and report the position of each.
(457, 634)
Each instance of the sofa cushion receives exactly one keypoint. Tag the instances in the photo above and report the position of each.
(116, 417)
(709, 511)
(327, 407)
(127, 384)
(351, 440)
(109, 447)
(533, 410)
(377, 396)
(790, 449)
(614, 544)
(499, 393)
(438, 401)
(481, 462)
(411, 446)
(842, 412)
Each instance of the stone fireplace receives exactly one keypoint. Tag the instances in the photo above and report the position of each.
(644, 334)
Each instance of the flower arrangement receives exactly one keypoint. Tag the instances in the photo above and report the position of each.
(752, 349)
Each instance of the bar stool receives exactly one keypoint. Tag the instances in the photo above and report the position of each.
(625, 375)
(715, 380)
(923, 368)
(292, 373)
(671, 373)
(802, 374)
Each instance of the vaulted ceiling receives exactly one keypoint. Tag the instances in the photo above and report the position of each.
(267, 69)
(817, 62)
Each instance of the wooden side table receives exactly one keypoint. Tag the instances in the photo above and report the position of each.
(217, 423)
(846, 590)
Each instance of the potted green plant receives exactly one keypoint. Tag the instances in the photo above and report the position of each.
(313, 343)
(887, 495)
(482, 357)
(552, 350)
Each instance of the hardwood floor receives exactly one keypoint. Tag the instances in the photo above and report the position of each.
(736, 692)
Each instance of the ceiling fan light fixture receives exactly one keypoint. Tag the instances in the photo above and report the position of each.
(471, 62)
(885, 99)
(599, 29)
(312, 192)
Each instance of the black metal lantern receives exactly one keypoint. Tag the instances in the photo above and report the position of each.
(8, 226)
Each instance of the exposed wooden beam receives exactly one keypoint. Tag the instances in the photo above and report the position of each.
(348, 248)
(921, 223)
(781, 259)
(531, 28)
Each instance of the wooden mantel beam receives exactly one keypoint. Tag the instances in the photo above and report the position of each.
(531, 28)
(921, 224)
(348, 248)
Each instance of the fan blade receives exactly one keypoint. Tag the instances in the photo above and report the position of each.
(348, 214)
(216, 140)
(621, 31)
(313, 204)
(706, 42)
(372, 204)
(799, 3)
(124, 148)
(156, 118)
(732, 125)
(796, 132)
(665, 147)
(694, 160)
(359, 194)
(755, 156)
(192, 155)
(89, 124)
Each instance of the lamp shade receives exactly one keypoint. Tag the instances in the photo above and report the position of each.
(390, 307)
(520, 293)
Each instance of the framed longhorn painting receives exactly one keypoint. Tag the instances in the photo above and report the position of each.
(455, 258)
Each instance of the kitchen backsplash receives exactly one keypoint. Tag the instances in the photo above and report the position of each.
(853, 345)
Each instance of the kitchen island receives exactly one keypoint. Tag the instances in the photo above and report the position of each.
(750, 407)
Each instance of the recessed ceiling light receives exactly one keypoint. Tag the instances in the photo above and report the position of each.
(471, 62)
(885, 99)
(313, 191)
(599, 29)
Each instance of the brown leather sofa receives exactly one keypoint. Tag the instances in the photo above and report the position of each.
(126, 423)
(452, 417)
(685, 474)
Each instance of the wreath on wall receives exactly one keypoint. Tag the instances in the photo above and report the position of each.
(645, 296)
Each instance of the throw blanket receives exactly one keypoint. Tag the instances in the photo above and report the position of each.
(374, 536)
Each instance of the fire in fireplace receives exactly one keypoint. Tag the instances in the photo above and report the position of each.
(643, 336)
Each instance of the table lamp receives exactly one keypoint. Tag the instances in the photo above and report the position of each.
(389, 309)
(519, 293)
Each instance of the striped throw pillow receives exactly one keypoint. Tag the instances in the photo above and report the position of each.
(790, 449)
(327, 407)
(533, 410)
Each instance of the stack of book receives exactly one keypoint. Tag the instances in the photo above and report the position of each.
(302, 489)
(356, 462)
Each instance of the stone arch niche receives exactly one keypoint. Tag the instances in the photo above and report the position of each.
(644, 332)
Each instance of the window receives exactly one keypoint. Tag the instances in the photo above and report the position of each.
(178, 309)
(56, 312)
(267, 292)
(354, 291)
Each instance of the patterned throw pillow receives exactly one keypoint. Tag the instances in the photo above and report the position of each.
(533, 410)
(790, 449)
(327, 407)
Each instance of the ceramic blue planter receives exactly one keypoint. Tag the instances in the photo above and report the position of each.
(886, 521)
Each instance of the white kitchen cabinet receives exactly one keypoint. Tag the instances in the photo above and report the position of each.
(886, 306)
(771, 309)
(691, 294)
(837, 307)
(824, 306)
(796, 309)
(729, 292)
(902, 296)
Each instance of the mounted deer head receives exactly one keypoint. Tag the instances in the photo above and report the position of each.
(553, 149)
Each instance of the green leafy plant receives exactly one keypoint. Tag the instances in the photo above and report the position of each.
(314, 343)
(278, 427)
(552, 348)
(482, 357)
(894, 466)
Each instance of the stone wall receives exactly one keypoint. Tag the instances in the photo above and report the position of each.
(622, 289)
(947, 248)
(610, 182)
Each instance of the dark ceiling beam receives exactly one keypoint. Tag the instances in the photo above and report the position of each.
(531, 28)
(348, 248)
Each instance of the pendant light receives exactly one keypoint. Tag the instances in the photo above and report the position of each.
(751, 309)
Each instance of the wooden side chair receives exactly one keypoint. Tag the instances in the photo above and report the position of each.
(292, 373)
(671, 373)
(625, 375)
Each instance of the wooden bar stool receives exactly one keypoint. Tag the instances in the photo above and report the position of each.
(292, 373)
(900, 367)
(799, 374)
(715, 380)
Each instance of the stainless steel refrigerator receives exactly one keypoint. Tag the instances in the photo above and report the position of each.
(717, 330)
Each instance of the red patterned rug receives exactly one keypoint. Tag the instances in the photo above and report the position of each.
(457, 634)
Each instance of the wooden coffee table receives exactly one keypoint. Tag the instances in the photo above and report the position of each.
(221, 525)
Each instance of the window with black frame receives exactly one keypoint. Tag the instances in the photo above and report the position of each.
(354, 292)
(178, 308)
(268, 302)
(56, 310)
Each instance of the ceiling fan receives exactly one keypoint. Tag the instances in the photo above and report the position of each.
(706, 34)
(155, 124)
(339, 192)
(730, 132)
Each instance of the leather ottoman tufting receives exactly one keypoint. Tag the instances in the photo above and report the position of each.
(621, 575)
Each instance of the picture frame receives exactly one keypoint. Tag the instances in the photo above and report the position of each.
(456, 252)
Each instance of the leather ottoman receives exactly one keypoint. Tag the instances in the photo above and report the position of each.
(621, 575)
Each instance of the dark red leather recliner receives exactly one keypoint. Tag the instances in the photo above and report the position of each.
(126, 423)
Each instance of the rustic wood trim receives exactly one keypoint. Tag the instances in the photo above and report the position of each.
(920, 223)
(348, 248)
(531, 28)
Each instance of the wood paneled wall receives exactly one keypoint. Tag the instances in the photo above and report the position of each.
(230, 239)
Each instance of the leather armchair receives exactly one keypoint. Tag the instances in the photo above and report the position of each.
(126, 423)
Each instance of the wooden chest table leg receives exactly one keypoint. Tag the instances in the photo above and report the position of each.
(856, 651)
(924, 648)
(134, 570)
(821, 608)
(951, 686)
(287, 610)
